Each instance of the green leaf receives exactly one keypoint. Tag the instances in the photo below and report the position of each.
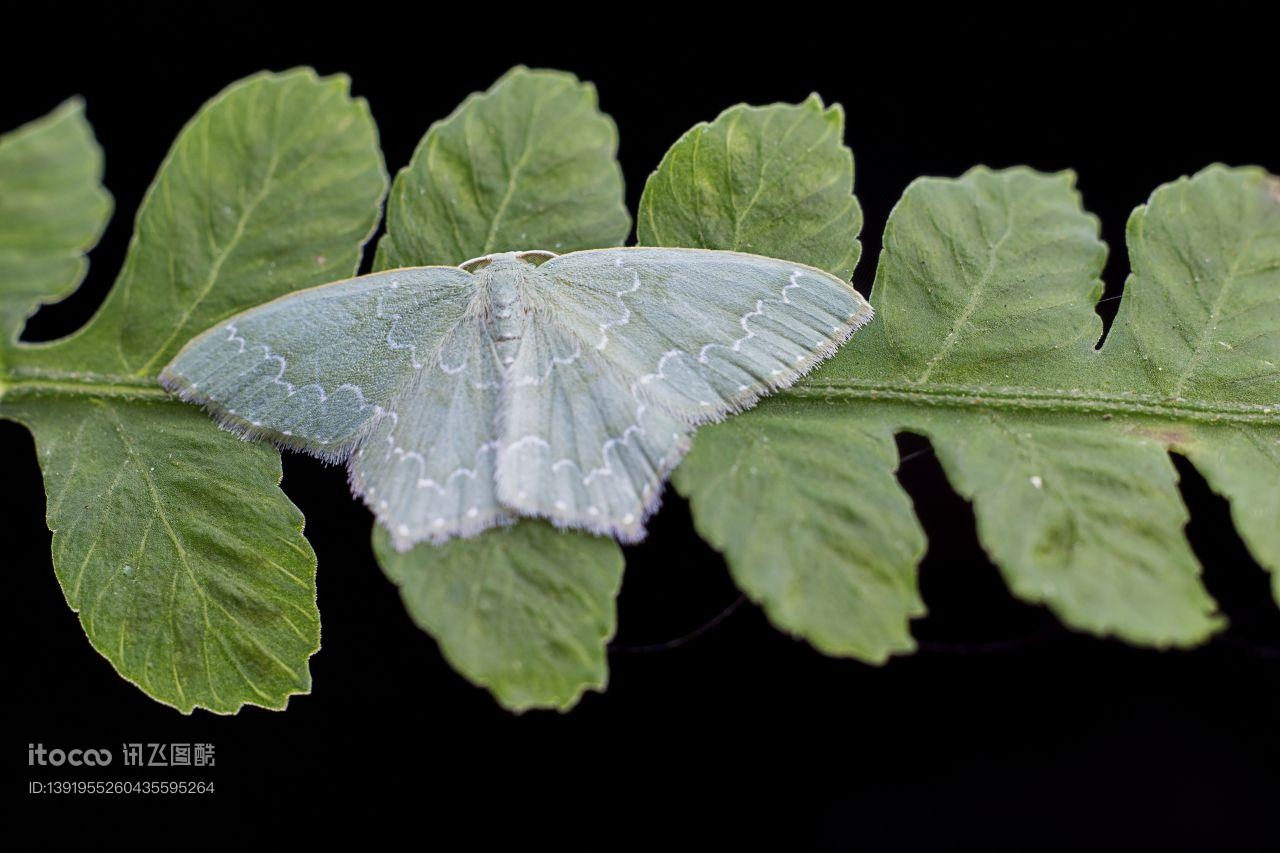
(985, 343)
(1242, 463)
(830, 562)
(1200, 324)
(1198, 321)
(805, 509)
(774, 181)
(172, 539)
(53, 207)
(274, 186)
(980, 277)
(528, 164)
(986, 290)
(524, 611)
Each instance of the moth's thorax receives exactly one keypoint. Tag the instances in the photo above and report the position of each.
(505, 294)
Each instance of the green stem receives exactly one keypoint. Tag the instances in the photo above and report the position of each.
(27, 384)
(1038, 399)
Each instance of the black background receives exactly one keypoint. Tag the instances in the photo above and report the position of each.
(1005, 728)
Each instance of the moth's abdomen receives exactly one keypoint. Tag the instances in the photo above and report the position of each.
(507, 329)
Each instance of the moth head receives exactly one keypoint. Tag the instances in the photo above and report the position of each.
(531, 257)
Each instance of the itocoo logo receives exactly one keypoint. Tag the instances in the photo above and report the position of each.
(38, 755)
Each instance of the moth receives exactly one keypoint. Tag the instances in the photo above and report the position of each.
(517, 384)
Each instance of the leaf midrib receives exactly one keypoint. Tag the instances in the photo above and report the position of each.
(179, 545)
(30, 384)
(513, 173)
(977, 294)
(1019, 398)
(219, 259)
(1210, 330)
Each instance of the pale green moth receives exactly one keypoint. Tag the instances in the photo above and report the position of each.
(518, 384)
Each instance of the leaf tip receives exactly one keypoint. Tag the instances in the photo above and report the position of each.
(833, 113)
(1068, 177)
(815, 100)
(517, 70)
(71, 106)
(299, 71)
(521, 71)
(520, 703)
